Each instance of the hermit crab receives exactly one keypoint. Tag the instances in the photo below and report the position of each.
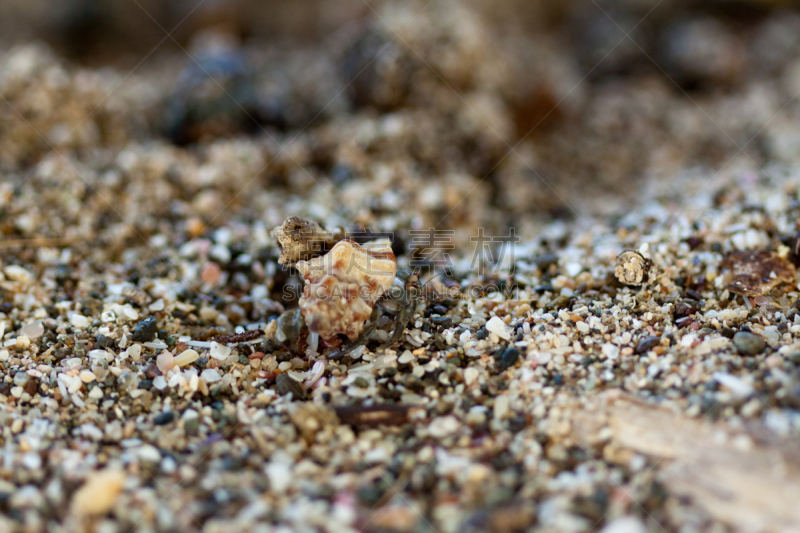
(348, 287)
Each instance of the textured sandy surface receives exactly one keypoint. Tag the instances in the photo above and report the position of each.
(155, 375)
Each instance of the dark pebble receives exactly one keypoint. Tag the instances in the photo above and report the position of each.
(560, 302)
(191, 426)
(285, 384)
(681, 309)
(105, 342)
(145, 330)
(439, 309)
(728, 332)
(558, 379)
(508, 358)
(146, 384)
(544, 261)
(482, 333)
(443, 321)
(748, 343)
(164, 418)
(517, 423)
(151, 371)
(647, 344)
(447, 303)
(691, 293)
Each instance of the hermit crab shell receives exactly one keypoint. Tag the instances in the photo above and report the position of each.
(341, 287)
(632, 268)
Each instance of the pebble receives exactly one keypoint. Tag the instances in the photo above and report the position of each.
(78, 321)
(498, 327)
(18, 274)
(284, 384)
(99, 494)
(625, 524)
(509, 357)
(502, 406)
(443, 426)
(748, 343)
(164, 418)
(219, 351)
(647, 344)
(160, 383)
(210, 375)
(34, 330)
(165, 361)
(104, 342)
(211, 274)
(186, 357)
(573, 269)
(406, 357)
(736, 385)
(145, 330)
(470, 375)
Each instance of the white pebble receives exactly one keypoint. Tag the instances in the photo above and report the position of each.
(405, 358)
(177, 380)
(625, 524)
(98, 495)
(219, 351)
(19, 274)
(443, 426)
(165, 361)
(22, 342)
(498, 327)
(501, 407)
(160, 383)
(210, 375)
(186, 358)
(736, 385)
(78, 321)
(33, 330)
(135, 351)
(573, 269)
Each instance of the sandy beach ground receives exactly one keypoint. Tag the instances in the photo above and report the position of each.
(157, 371)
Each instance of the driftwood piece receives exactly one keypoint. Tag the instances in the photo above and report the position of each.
(749, 479)
(373, 415)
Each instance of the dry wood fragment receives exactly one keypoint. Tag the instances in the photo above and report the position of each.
(373, 415)
(738, 477)
(757, 271)
(245, 336)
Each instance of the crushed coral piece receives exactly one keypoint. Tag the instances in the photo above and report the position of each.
(300, 239)
(756, 272)
(342, 286)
